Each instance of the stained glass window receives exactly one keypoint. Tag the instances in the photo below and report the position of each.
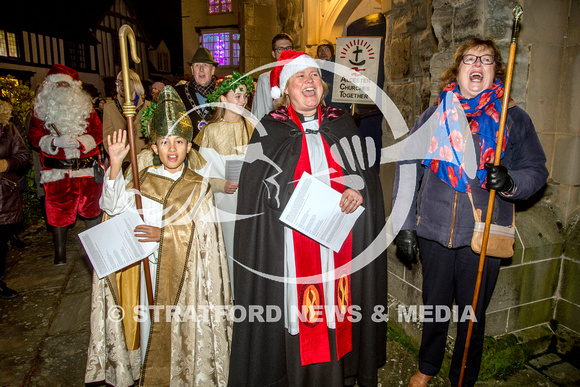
(220, 6)
(224, 46)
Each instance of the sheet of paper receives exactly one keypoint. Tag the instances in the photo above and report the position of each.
(112, 245)
(313, 210)
(233, 169)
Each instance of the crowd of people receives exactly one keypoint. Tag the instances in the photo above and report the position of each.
(271, 305)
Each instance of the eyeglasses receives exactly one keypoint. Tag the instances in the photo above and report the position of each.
(279, 50)
(470, 59)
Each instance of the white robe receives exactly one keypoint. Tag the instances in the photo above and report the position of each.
(198, 343)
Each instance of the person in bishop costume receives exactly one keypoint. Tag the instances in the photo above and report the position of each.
(225, 140)
(327, 325)
(189, 274)
(67, 131)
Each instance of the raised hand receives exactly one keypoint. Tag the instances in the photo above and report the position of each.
(117, 151)
(117, 148)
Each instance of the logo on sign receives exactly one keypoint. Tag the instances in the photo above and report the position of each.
(357, 52)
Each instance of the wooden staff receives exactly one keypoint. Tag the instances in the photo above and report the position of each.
(126, 33)
(518, 11)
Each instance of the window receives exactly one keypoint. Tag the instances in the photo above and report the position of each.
(220, 6)
(8, 46)
(163, 61)
(224, 46)
(76, 55)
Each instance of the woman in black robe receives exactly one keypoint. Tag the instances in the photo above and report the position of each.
(270, 348)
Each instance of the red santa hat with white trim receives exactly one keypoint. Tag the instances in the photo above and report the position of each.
(58, 73)
(289, 63)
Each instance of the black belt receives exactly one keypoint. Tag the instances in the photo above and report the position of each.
(72, 164)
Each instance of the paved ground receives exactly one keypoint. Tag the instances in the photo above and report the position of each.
(44, 332)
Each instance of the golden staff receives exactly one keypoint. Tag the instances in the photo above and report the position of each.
(126, 33)
(518, 11)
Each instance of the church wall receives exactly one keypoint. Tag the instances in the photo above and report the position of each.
(540, 283)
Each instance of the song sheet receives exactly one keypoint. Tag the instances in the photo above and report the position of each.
(233, 169)
(314, 210)
(112, 245)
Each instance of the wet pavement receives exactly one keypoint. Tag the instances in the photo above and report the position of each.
(44, 332)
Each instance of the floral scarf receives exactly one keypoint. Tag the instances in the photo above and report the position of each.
(204, 90)
(446, 151)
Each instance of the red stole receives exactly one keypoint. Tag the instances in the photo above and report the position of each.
(313, 330)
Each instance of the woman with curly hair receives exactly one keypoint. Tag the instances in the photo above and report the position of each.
(440, 224)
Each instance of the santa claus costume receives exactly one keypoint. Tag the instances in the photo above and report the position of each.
(67, 131)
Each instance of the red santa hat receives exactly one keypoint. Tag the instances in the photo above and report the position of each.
(60, 72)
(289, 63)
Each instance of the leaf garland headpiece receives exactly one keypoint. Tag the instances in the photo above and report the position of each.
(231, 82)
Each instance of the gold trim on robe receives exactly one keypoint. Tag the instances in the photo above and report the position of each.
(191, 274)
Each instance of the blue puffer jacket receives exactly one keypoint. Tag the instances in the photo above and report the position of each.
(441, 214)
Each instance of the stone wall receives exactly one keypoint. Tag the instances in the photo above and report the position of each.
(262, 20)
(259, 27)
(195, 15)
(540, 283)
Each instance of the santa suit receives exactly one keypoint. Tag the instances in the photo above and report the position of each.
(67, 174)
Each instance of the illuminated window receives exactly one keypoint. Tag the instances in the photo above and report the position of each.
(224, 46)
(220, 6)
(8, 45)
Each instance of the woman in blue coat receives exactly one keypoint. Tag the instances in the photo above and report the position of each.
(441, 220)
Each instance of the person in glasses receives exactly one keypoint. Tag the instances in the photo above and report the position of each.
(440, 222)
(263, 103)
(114, 119)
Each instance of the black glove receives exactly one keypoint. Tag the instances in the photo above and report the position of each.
(499, 179)
(407, 247)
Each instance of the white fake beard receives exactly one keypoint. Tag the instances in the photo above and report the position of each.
(68, 108)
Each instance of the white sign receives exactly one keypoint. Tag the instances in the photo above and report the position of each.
(360, 55)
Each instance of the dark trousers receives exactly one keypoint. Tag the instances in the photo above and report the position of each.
(450, 275)
(5, 232)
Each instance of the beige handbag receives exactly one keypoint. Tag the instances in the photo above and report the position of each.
(500, 243)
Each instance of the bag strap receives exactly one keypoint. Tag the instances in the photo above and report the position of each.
(475, 214)
(478, 218)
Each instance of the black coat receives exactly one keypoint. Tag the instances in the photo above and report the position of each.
(258, 350)
(195, 115)
(12, 149)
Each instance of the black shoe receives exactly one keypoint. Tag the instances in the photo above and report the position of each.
(6, 293)
(16, 242)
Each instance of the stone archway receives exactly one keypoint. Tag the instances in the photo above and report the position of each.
(325, 19)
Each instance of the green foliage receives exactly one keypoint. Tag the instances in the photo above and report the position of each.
(30, 201)
(146, 117)
(502, 357)
(20, 96)
(394, 334)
